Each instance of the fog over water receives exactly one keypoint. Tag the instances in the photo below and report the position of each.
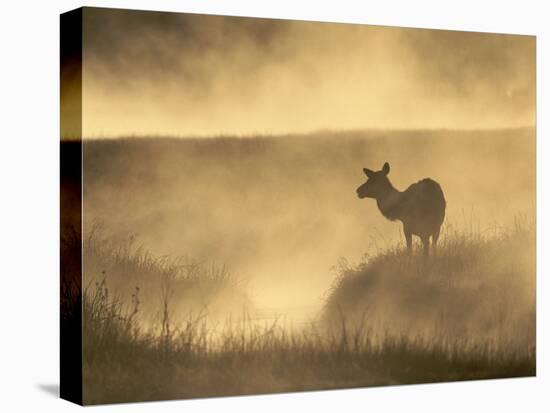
(280, 211)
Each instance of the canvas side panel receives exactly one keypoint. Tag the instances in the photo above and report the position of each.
(71, 206)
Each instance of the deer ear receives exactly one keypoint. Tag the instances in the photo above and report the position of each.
(368, 172)
(386, 168)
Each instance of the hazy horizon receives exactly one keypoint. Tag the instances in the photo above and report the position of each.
(310, 133)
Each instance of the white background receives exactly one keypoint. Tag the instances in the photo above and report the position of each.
(29, 205)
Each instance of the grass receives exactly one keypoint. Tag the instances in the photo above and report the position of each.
(478, 285)
(127, 270)
(466, 313)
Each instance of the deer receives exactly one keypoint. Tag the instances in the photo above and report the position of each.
(420, 208)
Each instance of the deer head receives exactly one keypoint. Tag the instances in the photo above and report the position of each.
(377, 184)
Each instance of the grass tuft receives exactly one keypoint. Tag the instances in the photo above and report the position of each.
(391, 319)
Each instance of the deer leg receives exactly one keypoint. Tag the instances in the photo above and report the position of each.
(426, 243)
(435, 237)
(408, 239)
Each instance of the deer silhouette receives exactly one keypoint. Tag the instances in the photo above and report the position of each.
(421, 207)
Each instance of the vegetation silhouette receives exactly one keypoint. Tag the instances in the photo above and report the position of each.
(161, 321)
(358, 341)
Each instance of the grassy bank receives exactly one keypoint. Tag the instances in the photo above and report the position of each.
(123, 268)
(466, 313)
(479, 288)
(123, 363)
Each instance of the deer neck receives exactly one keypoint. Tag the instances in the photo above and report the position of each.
(389, 203)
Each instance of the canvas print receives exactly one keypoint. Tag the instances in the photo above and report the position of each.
(255, 206)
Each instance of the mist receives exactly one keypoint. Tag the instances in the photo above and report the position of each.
(280, 212)
(213, 238)
(155, 73)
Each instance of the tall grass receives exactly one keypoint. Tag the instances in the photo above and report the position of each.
(123, 267)
(357, 344)
(479, 289)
